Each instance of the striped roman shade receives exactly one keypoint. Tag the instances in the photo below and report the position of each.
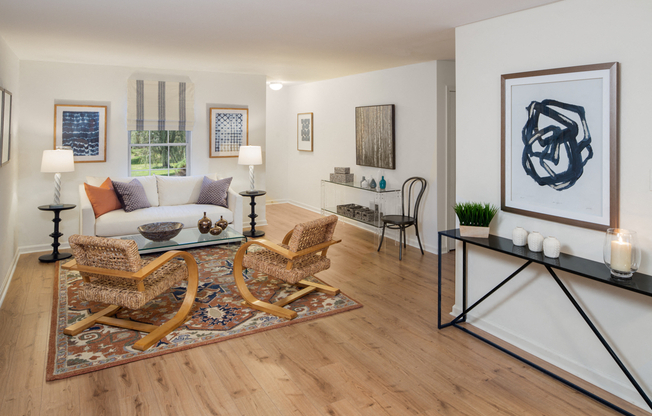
(160, 105)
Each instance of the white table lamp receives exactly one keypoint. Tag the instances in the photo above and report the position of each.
(250, 155)
(56, 161)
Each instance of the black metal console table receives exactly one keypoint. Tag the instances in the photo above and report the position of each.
(640, 283)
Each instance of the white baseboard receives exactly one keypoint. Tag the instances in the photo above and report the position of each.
(624, 391)
(41, 247)
(277, 201)
(8, 277)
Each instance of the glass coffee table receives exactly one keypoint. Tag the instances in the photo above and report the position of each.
(187, 238)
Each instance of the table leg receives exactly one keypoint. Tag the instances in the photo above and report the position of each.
(55, 256)
(253, 232)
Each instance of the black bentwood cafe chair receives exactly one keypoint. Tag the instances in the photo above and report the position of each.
(415, 188)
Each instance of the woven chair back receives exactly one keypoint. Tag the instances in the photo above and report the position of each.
(312, 233)
(105, 253)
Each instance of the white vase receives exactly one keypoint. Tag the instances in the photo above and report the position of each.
(535, 242)
(551, 247)
(519, 236)
(364, 183)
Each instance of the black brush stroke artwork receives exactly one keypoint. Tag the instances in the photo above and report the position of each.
(553, 140)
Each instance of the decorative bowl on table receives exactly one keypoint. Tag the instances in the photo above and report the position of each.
(160, 231)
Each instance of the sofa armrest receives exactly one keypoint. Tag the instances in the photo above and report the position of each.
(86, 213)
(234, 201)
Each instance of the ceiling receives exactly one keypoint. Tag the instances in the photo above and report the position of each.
(286, 40)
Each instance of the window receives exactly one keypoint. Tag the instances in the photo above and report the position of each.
(159, 152)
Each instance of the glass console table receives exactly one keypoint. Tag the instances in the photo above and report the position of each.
(640, 283)
(364, 205)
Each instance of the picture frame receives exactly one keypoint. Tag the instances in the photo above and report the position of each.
(83, 128)
(305, 132)
(229, 129)
(559, 145)
(374, 136)
(6, 99)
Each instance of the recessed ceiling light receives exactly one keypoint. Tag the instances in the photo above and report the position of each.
(275, 86)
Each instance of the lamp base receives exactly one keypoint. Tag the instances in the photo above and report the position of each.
(56, 205)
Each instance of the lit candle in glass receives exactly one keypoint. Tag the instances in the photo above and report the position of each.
(621, 255)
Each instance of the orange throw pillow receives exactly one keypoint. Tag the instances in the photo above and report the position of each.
(103, 198)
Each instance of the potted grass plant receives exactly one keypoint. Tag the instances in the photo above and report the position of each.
(475, 218)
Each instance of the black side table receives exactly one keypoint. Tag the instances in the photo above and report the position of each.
(253, 232)
(55, 256)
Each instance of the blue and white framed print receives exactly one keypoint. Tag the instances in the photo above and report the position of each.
(560, 145)
(5, 126)
(229, 129)
(304, 132)
(83, 128)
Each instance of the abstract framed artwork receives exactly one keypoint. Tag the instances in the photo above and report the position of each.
(374, 136)
(6, 99)
(83, 128)
(304, 132)
(229, 129)
(559, 151)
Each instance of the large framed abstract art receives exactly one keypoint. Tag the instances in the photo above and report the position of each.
(304, 132)
(229, 129)
(83, 128)
(5, 125)
(560, 145)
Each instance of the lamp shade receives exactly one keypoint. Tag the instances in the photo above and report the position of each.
(60, 160)
(250, 155)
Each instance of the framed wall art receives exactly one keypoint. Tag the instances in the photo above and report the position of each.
(559, 147)
(374, 136)
(83, 128)
(6, 99)
(229, 129)
(304, 132)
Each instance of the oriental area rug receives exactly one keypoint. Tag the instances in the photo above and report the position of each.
(216, 316)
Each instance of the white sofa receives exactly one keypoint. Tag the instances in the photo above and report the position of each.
(171, 199)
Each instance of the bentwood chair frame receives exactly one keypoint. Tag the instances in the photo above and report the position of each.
(136, 279)
(403, 221)
(308, 257)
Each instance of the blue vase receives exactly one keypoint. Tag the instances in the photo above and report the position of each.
(383, 184)
(372, 184)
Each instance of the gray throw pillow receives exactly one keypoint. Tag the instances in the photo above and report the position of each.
(214, 192)
(131, 195)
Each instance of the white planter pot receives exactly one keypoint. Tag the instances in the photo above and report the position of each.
(519, 236)
(551, 247)
(535, 242)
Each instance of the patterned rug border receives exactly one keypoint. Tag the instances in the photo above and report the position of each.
(49, 373)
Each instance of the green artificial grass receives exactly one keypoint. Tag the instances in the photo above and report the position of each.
(475, 214)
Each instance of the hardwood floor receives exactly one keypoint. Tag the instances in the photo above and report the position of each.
(387, 358)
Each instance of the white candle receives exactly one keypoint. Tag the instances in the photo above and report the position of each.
(621, 256)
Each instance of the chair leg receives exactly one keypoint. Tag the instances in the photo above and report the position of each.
(89, 321)
(181, 315)
(401, 236)
(249, 298)
(416, 227)
(382, 237)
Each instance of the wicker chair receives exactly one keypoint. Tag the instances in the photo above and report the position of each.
(113, 273)
(302, 254)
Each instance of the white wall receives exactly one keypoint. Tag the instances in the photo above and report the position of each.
(413, 91)
(46, 84)
(532, 312)
(278, 140)
(9, 80)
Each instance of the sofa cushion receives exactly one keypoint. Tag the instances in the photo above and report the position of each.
(119, 222)
(148, 182)
(103, 198)
(131, 195)
(214, 192)
(179, 190)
